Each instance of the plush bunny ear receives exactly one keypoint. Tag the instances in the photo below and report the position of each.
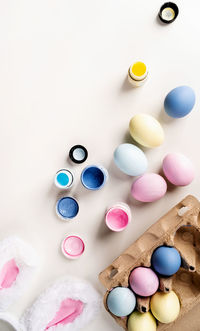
(9, 323)
(68, 305)
(17, 262)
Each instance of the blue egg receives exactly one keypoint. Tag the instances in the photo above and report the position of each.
(180, 101)
(130, 159)
(121, 301)
(166, 260)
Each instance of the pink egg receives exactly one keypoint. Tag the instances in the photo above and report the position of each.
(149, 188)
(178, 169)
(143, 281)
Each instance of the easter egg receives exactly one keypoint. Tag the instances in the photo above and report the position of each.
(178, 169)
(179, 102)
(130, 159)
(146, 130)
(141, 322)
(121, 301)
(143, 281)
(166, 260)
(149, 187)
(165, 306)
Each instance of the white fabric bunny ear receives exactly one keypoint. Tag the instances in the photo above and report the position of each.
(17, 262)
(68, 305)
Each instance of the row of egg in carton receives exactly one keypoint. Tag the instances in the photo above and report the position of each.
(143, 293)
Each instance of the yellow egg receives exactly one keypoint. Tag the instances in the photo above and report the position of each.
(146, 130)
(141, 322)
(165, 306)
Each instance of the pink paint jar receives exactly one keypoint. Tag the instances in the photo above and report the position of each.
(72, 247)
(118, 217)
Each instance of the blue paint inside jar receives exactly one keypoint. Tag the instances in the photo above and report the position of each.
(62, 179)
(67, 207)
(93, 178)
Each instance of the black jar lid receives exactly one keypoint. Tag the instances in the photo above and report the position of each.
(78, 154)
(168, 12)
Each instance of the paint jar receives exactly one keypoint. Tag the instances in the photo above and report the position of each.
(168, 12)
(72, 247)
(67, 208)
(137, 74)
(78, 154)
(118, 217)
(94, 177)
(64, 179)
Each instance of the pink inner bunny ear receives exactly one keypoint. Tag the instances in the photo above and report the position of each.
(69, 310)
(8, 274)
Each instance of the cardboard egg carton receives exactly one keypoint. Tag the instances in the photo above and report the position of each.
(180, 228)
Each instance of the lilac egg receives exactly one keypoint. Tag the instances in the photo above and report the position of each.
(149, 187)
(178, 169)
(143, 281)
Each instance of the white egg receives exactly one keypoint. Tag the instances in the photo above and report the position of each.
(130, 159)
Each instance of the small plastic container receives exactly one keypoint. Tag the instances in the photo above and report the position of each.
(118, 216)
(137, 74)
(67, 208)
(78, 154)
(73, 247)
(64, 179)
(168, 12)
(94, 177)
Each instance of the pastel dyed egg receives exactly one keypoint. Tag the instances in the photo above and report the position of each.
(178, 169)
(130, 159)
(149, 187)
(146, 130)
(165, 306)
(179, 102)
(121, 301)
(143, 281)
(141, 322)
(166, 260)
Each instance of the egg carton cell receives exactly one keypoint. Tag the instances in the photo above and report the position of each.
(179, 228)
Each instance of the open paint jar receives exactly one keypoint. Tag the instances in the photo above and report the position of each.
(168, 12)
(118, 217)
(72, 247)
(67, 208)
(78, 154)
(137, 74)
(64, 179)
(94, 177)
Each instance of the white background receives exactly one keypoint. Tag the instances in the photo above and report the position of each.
(63, 80)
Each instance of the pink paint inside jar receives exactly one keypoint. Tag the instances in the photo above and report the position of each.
(73, 247)
(117, 219)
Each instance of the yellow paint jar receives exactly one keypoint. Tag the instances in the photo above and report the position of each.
(137, 74)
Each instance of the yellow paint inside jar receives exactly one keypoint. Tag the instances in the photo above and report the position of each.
(139, 69)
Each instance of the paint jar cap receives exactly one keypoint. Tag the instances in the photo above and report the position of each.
(168, 12)
(72, 247)
(78, 154)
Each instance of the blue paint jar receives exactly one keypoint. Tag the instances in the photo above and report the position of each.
(67, 208)
(64, 179)
(94, 177)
